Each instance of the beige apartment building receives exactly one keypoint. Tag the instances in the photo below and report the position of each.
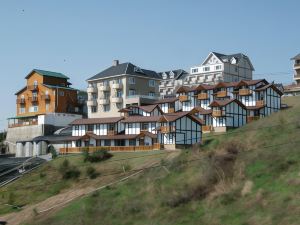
(296, 67)
(119, 86)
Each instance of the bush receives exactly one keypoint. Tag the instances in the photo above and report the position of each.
(67, 171)
(97, 156)
(91, 172)
(53, 152)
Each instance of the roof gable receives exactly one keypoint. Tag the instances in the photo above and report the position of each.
(48, 74)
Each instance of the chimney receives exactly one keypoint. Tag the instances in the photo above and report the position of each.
(115, 62)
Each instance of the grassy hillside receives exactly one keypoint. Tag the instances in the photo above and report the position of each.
(249, 176)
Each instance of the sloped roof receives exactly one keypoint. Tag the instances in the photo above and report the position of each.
(184, 89)
(201, 110)
(204, 87)
(178, 74)
(251, 82)
(125, 69)
(61, 87)
(140, 119)
(166, 100)
(221, 103)
(48, 74)
(226, 84)
(148, 108)
(19, 91)
(96, 121)
(269, 86)
(296, 57)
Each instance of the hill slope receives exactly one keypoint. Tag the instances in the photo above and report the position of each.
(248, 176)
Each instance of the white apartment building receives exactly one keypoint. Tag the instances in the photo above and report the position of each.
(296, 68)
(119, 86)
(221, 68)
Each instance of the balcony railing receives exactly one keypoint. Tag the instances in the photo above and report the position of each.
(206, 128)
(221, 94)
(167, 129)
(183, 98)
(117, 86)
(252, 118)
(111, 132)
(32, 87)
(260, 103)
(245, 91)
(33, 99)
(155, 146)
(296, 76)
(202, 96)
(45, 97)
(28, 123)
(171, 110)
(218, 113)
(21, 101)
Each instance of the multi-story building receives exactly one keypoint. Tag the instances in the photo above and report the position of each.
(296, 67)
(170, 81)
(221, 68)
(119, 86)
(46, 103)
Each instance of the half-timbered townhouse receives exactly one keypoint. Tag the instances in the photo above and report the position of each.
(229, 113)
(205, 115)
(224, 90)
(169, 105)
(179, 129)
(147, 110)
(187, 98)
(204, 94)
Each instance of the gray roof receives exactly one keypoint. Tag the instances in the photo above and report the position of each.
(125, 68)
(296, 57)
(178, 74)
(237, 56)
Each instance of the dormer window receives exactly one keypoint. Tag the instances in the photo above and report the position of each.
(138, 70)
(164, 75)
(172, 75)
(233, 60)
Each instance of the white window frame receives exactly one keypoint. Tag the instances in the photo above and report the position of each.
(151, 83)
(131, 80)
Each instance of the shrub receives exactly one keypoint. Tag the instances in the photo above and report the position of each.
(67, 171)
(97, 156)
(126, 167)
(53, 152)
(91, 172)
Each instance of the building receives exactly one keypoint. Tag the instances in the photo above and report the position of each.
(221, 68)
(170, 81)
(296, 68)
(45, 104)
(119, 86)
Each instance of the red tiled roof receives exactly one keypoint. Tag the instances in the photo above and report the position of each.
(204, 87)
(250, 82)
(201, 110)
(271, 86)
(138, 119)
(96, 121)
(226, 84)
(220, 103)
(184, 89)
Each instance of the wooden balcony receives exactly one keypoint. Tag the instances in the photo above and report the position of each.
(32, 87)
(252, 118)
(221, 94)
(260, 103)
(171, 110)
(245, 92)
(21, 101)
(206, 128)
(111, 132)
(45, 97)
(183, 98)
(167, 129)
(33, 99)
(202, 96)
(155, 146)
(218, 113)
(23, 124)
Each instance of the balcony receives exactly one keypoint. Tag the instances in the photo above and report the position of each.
(260, 103)
(171, 110)
(221, 94)
(296, 76)
(167, 129)
(245, 92)
(218, 113)
(183, 98)
(104, 88)
(22, 124)
(206, 128)
(111, 132)
(91, 89)
(21, 101)
(32, 87)
(297, 66)
(91, 102)
(103, 101)
(116, 99)
(45, 97)
(252, 118)
(33, 99)
(117, 86)
(202, 96)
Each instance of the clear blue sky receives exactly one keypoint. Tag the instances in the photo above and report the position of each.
(81, 38)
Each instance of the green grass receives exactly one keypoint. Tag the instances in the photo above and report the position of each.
(210, 190)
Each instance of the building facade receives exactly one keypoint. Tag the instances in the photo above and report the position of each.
(296, 68)
(119, 86)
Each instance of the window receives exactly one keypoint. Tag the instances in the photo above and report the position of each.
(61, 93)
(22, 110)
(107, 142)
(130, 125)
(34, 108)
(132, 142)
(195, 70)
(151, 93)
(117, 81)
(131, 92)
(35, 83)
(94, 109)
(119, 93)
(218, 67)
(131, 80)
(151, 83)
(106, 94)
(78, 143)
(119, 105)
(94, 96)
(235, 69)
(47, 107)
(206, 68)
(106, 108)
(111, 126)
(171, 74)
(90, 127)
(145, 126)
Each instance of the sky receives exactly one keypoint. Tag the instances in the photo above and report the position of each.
(82, 38)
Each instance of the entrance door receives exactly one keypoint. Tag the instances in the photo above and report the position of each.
(142, 141)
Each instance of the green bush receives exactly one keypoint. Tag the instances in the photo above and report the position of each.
(91, 172)
(97, 156)
(67, 171)
(53, 152)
